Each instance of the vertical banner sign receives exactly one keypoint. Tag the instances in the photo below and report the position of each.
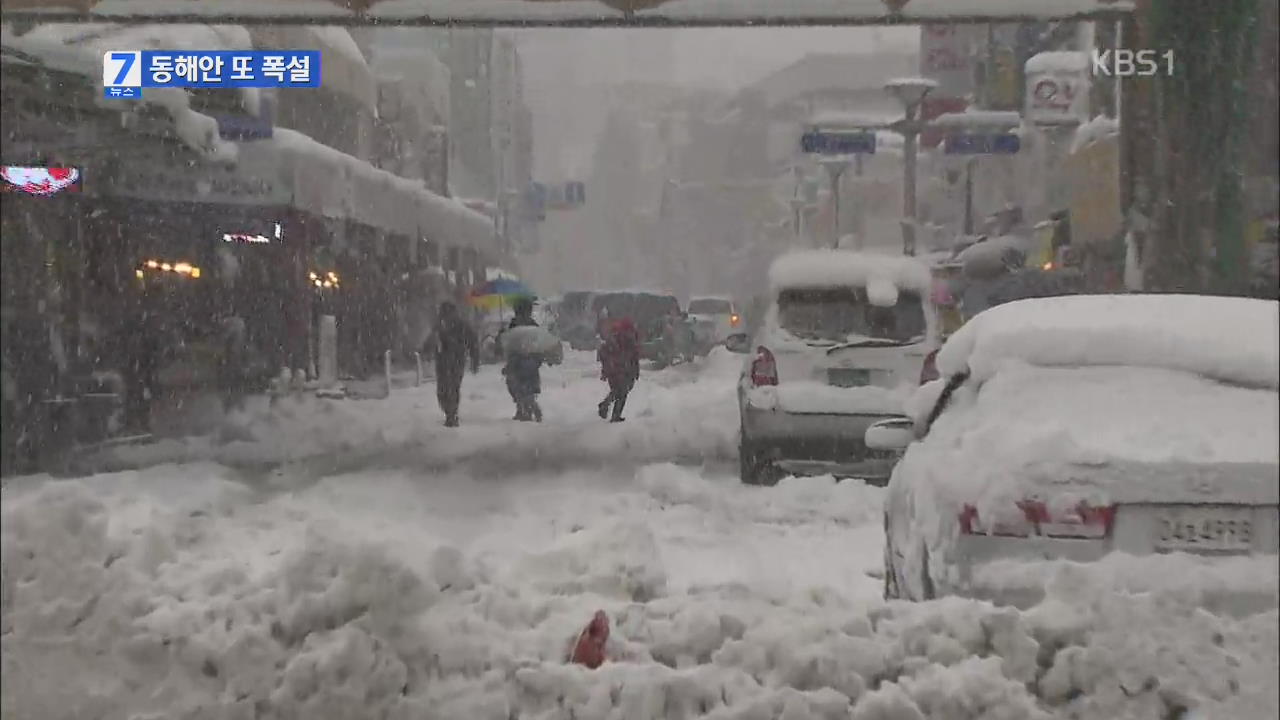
(946, 56)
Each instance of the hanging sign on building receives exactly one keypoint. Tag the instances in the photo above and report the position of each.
(43, 181)
(158, 174)
(1058, 87)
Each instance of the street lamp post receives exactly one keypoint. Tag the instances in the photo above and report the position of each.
(911, 93)
(835, 169)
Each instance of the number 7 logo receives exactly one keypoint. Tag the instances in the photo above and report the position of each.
(121, 69)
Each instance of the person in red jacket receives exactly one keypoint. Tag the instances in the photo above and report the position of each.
(619, 366)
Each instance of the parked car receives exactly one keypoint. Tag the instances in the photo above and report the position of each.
(721, 314)
(575, 321)
(1135, 434)
(657, 317)
(840, 347)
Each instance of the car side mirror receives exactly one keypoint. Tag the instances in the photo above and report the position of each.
(895, 434)
(738, 343)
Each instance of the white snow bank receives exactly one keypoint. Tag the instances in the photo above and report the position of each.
(1209, 582)
(1058, 61)
(1099, 128)
(1234, 340)
(835, 268)
(173, 594)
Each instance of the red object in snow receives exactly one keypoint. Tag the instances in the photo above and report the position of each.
(589, 649)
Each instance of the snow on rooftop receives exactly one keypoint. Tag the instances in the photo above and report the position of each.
(451, 219)
(837, 268)
(1232, 340)
(79, 47)
(1069, 61)
(1099, 128)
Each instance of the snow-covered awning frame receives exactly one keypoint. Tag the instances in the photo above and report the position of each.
(563, 13)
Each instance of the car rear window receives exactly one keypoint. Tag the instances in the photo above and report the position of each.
(711, 306)
(840, 314)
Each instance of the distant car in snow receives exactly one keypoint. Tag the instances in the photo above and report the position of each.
(1134, 433)
(719, 315)
(841, 346)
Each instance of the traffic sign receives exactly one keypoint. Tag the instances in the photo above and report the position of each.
(975, 144)
(838, 142)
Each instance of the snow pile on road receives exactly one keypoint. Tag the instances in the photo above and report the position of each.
(180, 594)
(835, 268)
(1233, 340)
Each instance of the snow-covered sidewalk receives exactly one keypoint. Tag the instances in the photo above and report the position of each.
(685, 412)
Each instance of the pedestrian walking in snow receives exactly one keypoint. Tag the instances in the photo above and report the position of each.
(523, 370)
(451, 342)
(619, 366)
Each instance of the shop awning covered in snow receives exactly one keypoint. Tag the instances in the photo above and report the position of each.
(574, 12)
(331, 183)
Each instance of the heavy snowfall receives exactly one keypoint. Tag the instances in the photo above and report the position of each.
(394, 568)
(923, 371)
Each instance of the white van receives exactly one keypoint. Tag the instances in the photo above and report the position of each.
(718, 314)
(842, 346)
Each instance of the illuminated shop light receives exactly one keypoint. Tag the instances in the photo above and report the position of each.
(178, 268)
(327, 280)
(247, 238)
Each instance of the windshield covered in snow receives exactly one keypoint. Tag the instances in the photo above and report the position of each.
(710, 306)
(846, 314)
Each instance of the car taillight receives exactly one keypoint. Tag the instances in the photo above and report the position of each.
(1080, 521)
(734, 320)
(764, 370)
(929, 370)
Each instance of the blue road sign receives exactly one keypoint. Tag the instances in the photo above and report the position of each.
(972, 144)
(838, 142)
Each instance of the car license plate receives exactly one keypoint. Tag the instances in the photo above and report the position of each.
(848, 377)
(1196, 528)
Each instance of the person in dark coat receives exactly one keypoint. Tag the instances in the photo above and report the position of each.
(451, 342)
(524, 371)
(233, 364)
(619, 366)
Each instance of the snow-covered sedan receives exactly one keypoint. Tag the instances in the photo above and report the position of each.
(1132, 438)
(841, 346)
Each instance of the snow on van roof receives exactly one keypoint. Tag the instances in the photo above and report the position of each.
(1228, 339)
(835, 268)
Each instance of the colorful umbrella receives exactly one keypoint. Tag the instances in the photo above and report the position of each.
(498, 293)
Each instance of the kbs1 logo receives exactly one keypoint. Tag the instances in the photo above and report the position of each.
(126, 73)
(1122, 63)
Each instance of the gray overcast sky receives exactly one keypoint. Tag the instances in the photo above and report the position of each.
(563, 65)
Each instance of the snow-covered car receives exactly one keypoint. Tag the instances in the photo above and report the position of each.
(841, 346)
(719, 314)
(1135, 435)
